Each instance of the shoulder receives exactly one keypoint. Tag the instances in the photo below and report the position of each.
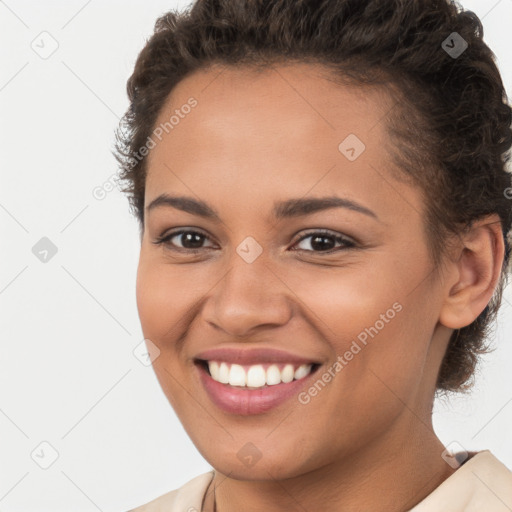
(187, 498)
(483, 482)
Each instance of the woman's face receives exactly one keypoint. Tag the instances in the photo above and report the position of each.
(264, 265)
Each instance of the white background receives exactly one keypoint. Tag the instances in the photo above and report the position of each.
(68, 327)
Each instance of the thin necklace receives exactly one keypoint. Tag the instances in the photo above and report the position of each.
(209, 489)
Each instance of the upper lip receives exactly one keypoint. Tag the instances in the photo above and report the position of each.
(250, 356)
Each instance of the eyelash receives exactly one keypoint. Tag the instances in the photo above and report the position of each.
(348, 244)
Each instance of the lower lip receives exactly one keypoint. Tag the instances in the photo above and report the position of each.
(245, 402)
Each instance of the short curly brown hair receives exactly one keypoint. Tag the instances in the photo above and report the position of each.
(451, 125)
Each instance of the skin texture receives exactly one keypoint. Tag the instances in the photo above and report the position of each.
(365, 442)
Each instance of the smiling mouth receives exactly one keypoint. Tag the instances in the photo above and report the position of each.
(256, 376)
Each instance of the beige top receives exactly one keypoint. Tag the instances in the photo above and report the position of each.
(481, 484)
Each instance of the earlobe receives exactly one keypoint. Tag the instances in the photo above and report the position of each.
(476, 271)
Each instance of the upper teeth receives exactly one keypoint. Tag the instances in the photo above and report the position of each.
(255, 376)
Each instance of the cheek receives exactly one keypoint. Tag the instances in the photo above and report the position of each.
(166, 296)
(162, 305)
(375, 317)
(382, 336)
(152, 299)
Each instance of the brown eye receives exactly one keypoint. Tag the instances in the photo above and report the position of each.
(324, 241)
(183, 240)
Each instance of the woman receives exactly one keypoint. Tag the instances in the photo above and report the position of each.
(324, 212)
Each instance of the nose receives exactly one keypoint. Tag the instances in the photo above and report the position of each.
(249, 298)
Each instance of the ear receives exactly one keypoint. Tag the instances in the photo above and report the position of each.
(473, 273)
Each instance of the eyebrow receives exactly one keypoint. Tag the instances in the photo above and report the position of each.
(281, 210)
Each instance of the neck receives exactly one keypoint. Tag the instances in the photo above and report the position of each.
(385, 475)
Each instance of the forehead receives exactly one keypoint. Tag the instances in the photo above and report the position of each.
(304, 98)
(283, 131)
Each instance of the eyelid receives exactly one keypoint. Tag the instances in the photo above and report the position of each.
(348, 241)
